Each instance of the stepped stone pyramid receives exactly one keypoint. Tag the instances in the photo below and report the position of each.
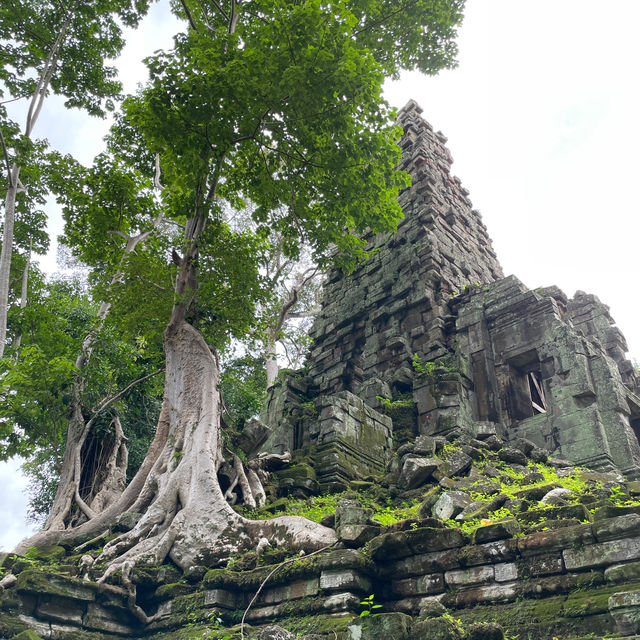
(428, 337)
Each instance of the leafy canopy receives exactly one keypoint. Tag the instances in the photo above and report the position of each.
(286, 112)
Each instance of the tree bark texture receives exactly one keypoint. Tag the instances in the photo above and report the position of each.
(5, 254)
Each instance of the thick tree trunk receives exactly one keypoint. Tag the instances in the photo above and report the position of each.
(187, 516)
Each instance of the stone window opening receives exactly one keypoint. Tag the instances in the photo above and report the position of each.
(536, 389)
(526, 393)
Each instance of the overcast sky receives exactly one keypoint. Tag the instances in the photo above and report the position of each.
(543, 122)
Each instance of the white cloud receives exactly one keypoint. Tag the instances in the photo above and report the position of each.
(13, 505)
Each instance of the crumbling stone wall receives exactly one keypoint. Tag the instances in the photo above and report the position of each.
(493, 356)
(394, 306)
(506, 334)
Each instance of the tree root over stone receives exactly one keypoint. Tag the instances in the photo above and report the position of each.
(186, 515)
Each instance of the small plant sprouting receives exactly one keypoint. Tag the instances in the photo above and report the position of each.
(370, 606)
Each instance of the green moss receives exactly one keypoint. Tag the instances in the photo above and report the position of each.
(40, 582)
(51, 553)
(27, 635)
(321, 624)
(299, 471)
(10, 626)
(173, 590)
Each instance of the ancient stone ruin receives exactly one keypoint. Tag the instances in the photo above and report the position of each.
(474, 444)
(431, 315)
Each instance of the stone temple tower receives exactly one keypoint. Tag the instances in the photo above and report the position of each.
(428, 337)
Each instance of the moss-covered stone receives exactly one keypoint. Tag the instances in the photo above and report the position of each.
(152, 576)
(382, 626)
(442, 628)
(28, 634)
(169, 591)
(11, 625)
(39, 582)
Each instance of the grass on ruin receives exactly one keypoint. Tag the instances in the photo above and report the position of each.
(385, 510)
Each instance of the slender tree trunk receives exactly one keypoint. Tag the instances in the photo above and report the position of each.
(35, 107)
(271, 360)
(5, 254)
(24, 292)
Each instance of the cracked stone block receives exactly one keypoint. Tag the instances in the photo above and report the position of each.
(556, 540)
(457, 463)
(505, 572)
(416, 471)
(624, 608)
(602, 554)
(60, 610)
(357, 535)
(337, 579)
(422, 585)
(220, 598)
(450, 504)
(467, 577)
(101, 619)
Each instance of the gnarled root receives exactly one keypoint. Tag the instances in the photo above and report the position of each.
(188, 518)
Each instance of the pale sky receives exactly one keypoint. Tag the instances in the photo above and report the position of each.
(543, 125)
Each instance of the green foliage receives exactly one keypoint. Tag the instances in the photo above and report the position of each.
(243, 386)
(28, 30)
(369, 606)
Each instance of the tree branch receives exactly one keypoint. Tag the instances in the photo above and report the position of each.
(221, 10)
(282, 564)
(189, 18)
(109, 401)
(6, 160)
(47, 71)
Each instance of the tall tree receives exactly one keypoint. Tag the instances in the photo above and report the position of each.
(276, 102)
(52, 47)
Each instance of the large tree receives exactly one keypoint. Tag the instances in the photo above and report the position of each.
(277, 103)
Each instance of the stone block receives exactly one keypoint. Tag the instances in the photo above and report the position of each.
(350, 512)
(437, 629)
(624, 608)
(416, 471)
(457, 463)
(437, 561)
(541, 565)
(485, 631)
(602, 554)
(39, 582)
(389, 546)
(427, 539)
(422, 585)
(505, 571)
(513, 456)
(100, 619)
(469, 577)
(489, 553)
(496, 531)
(450, 504)
(545, 541)
(221, 598)
(290, 591)
(489, 593)
(61, 610)
(623, 572)
(618, 527)
(339, 580)
(357, 535)
(383, 626)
